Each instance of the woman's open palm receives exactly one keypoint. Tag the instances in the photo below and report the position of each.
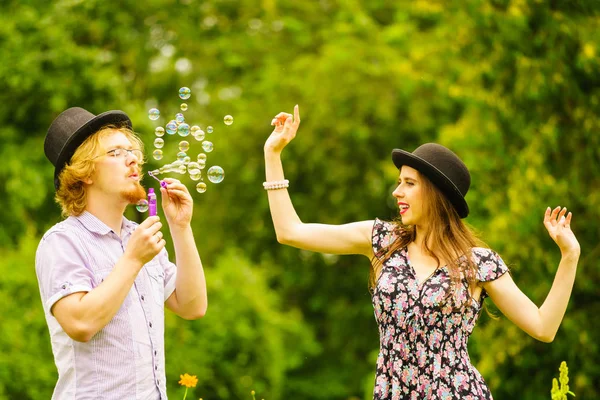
(559, 228)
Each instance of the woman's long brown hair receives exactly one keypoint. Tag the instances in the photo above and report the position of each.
(450, 238)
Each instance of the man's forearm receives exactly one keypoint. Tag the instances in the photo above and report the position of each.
(98, 307)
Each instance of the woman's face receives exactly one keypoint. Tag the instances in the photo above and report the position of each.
(409, 196)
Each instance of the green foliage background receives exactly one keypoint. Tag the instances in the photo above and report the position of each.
(513, 86)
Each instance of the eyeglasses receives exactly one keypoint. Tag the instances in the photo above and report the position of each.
(123, 153)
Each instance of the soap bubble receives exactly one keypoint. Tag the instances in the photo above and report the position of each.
(166, 168)
(201, 187)
(187, 160)
(194, 129)
(196, 177)
(215, 174)
(185, 93)
(207, 146)
(181, 156)
(228, 120)
(171, 128)
(184, 145)
(202, 164)
(200, 135)
(184, 107)
(179, 118)
(159, 131)
(209, 129)
(157, 154)
(159, 143)
(153, 114)
(142, 205)
(176, 166)
(193, 168)
(201, 157)
(183, 129)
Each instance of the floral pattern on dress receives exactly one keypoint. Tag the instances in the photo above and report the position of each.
(423, 338)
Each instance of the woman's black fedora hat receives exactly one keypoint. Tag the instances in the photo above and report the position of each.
(443, 168)
(69, 130)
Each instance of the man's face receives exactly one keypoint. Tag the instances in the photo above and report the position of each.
(118, 173)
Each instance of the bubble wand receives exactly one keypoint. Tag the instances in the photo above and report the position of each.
(163, 184)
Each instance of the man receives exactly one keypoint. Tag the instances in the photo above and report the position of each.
(104, 280)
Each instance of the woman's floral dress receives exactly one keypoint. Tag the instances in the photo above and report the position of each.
(423, 340)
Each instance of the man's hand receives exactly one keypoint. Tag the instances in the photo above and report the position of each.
(146, 241)
(177, 203)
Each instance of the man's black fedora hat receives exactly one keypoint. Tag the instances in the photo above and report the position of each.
(444, 168)
(69, 130)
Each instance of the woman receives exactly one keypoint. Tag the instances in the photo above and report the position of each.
(429, 274)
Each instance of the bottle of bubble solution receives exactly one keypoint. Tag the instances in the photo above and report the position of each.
(151, 202)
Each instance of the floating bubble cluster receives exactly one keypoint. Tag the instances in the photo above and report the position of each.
(183, 163)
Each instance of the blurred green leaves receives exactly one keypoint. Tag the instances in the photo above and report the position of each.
(512, 86)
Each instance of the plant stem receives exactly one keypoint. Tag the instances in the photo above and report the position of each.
(185, 394)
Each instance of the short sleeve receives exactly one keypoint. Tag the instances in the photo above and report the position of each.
(490, 266)
(382, 236)
(170, 270)
(61, 268)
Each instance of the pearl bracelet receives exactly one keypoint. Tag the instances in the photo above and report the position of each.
(273, 185)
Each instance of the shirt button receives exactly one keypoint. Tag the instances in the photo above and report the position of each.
(154, 352)
(150, 324)
(142, 298)
(156, 367)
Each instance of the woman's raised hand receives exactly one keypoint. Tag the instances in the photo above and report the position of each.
(559, 228)
(286, 126)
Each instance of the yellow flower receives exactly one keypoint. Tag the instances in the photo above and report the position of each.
(589, 51)
(188, 380)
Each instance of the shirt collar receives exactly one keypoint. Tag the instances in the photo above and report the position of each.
(93, 224)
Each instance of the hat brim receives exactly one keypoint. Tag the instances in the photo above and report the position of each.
(402, 157)
(114, 117)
